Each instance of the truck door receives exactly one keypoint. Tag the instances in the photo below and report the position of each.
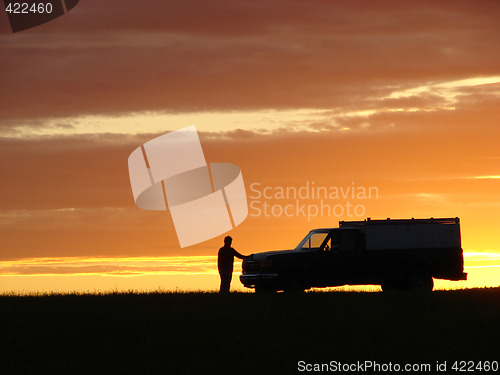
(348, 264)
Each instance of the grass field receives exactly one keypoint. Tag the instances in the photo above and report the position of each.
(243, 333)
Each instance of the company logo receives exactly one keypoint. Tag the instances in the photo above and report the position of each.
(205, 200)
(28, 13)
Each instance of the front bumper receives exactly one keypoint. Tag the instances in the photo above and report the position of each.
(253, 279)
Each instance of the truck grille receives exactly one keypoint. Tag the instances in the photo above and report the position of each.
(250, 266)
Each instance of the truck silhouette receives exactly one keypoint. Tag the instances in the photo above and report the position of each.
(402, 254)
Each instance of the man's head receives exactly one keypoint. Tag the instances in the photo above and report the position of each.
(228, 240)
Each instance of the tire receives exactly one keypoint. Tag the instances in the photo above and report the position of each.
(421, 281)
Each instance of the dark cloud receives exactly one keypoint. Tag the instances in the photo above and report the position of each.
(119, 56)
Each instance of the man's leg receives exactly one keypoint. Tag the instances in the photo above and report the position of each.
(225, 280)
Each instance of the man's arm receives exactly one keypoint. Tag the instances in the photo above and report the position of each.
(238, 255)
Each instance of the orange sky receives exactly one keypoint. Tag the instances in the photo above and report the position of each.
(401, 96)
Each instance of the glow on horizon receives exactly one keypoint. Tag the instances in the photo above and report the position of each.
(83, 274)
(123, 266)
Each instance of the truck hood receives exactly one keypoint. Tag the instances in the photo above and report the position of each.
(264, 255)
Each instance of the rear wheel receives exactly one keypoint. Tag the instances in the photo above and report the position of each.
(421, 281)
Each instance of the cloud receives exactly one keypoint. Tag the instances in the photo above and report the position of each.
(308, 90)
(122, 56)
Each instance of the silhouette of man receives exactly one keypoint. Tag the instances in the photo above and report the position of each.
(225, 262)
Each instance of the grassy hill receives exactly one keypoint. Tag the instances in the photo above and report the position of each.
(243, 333)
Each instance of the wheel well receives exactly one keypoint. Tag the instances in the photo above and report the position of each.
(420, 267)
(284, 274)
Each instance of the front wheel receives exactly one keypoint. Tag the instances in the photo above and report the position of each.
(264, 290)
(293, 282)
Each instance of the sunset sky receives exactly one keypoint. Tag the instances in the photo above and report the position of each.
(399, 96)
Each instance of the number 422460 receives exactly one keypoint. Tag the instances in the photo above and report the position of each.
(25, 8)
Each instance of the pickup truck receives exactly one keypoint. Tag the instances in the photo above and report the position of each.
(401, 254)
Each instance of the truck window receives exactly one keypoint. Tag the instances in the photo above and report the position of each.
(313, 241)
